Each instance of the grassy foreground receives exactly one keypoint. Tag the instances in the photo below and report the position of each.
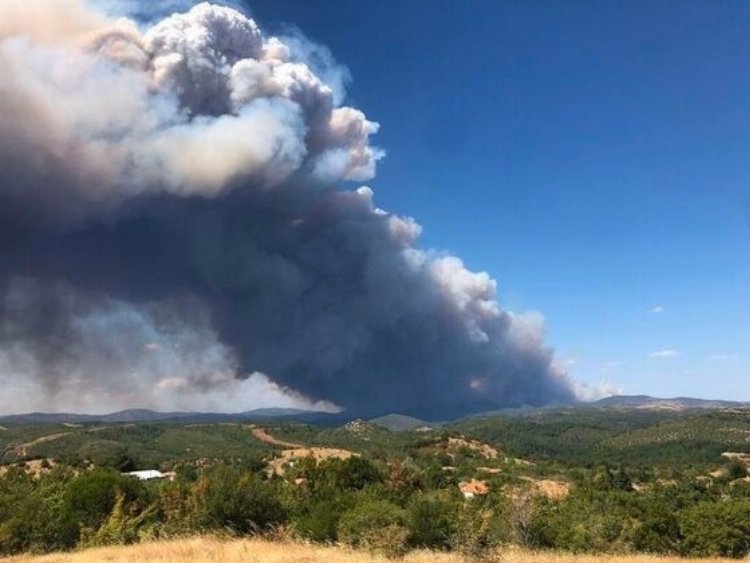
(264, 551)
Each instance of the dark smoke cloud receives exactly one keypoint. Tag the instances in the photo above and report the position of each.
(172, 223)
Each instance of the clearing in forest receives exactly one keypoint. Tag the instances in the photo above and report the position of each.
(296, 451)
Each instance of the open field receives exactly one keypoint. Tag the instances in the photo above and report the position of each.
(262, 551)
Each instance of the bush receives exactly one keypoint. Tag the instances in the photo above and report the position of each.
(123, 526)
(176, 509)
(354, 473)
(735, 470)
(658, 533)
(229, 499)
(478, 529)
(716, 529)
(376, 525)
(91, 497)
(593, 521)
(432, 520)
(23, 501)
(319, 520)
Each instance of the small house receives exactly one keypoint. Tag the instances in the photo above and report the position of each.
(150, 475)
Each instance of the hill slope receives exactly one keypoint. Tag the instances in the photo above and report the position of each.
(147, 415)
(677, 403)
(398, 422)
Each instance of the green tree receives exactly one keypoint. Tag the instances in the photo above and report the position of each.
(227, 498)
(23, 500)
(432, 519)
(318, 519)
(376, 525)
(716, 529)
(123, 525)
(659, 532)
(90, 498)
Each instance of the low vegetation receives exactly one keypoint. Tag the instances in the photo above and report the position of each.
(264, 551)
(557, 482)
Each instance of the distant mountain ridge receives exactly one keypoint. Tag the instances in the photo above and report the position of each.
(399, 422)
(676, 403)
(395, 421)
(148, 415)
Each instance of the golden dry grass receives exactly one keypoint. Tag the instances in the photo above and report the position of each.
(296, 451)
(33, 467)
(262, 435)
(482, 448)
(277, 465)
(262, 551)
(555, 490)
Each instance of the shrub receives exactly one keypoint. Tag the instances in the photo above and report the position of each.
(735, 470)
(716, 529)
(227, 498)
(23, 500)
(122, 526)
(658, 533)
(320, 520)
(376, 525)
(476, 531)
(432, 520)
(91, 497)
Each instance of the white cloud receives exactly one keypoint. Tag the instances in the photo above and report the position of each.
(657, 310)
(665, 354)
(723, 357)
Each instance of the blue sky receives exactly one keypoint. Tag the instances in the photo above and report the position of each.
(591, 156)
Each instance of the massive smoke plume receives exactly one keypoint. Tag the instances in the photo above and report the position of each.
(174, 220)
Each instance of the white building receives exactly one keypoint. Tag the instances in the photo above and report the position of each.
(150, 474)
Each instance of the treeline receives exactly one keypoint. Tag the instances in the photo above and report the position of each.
(584, 437)
(692, 517)
(387, 508)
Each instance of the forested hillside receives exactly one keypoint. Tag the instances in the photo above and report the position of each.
(579, 480)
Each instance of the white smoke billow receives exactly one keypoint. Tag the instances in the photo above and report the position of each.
(171, 200)
(198, 105)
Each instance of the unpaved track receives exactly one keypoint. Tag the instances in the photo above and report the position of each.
(22, 450)
(293, 452)
(264, 436)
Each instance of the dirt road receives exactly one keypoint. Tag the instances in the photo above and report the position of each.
(22, 450)
(264, 436)
(294, 452)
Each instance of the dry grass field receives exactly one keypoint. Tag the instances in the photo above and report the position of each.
(262, 551)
